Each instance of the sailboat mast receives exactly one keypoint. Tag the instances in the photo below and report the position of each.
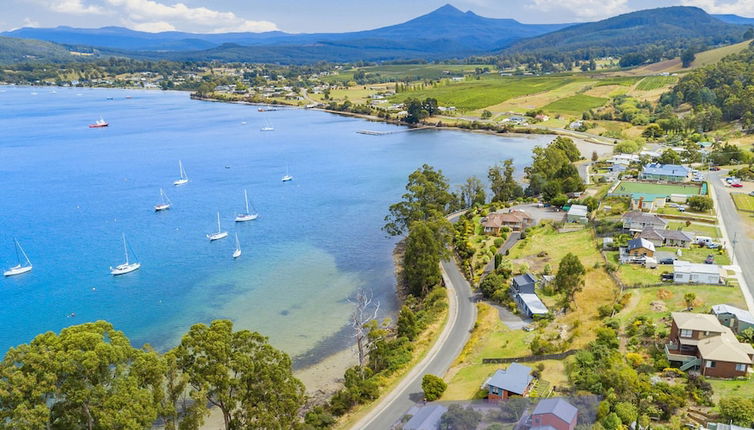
(246, 198)
(218, 222)
(19, 248)
(125, 248)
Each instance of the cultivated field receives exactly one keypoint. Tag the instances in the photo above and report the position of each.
(575, 105)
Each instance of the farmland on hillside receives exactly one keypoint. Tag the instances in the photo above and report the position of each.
(575, 105)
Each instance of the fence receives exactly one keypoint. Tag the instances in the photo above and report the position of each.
(530, 358)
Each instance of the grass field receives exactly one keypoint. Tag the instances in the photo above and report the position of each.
(695, 229)
(576, 104)
(411, 72)
(744, 202)
(654, 82)
(657, 302)
(655, 190)
(723, 388)
(489, 91)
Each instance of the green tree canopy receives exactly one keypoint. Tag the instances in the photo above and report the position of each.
(433, 387)
(504, 185)
(240, 373)
(89, 377)
(426, 197)
(570, 278)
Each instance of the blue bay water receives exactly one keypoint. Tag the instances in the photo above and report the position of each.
(67, 193)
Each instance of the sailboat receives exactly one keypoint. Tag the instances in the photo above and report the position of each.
(126, 267)
(99, 123)
(19, 268)
(237, 252)
(164, 204)
(246, 216)
(183, 179)
(267, 126)
(220, 234)
(287, 177)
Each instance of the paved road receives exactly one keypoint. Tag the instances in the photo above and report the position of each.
(736, 231)
(512, 240)
(462, 316)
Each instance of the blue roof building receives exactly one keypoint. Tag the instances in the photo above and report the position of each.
(665, 172)
(513, 381)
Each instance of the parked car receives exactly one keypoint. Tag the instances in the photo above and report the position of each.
(710, 259)
(666, 260)
(714, 168)
(736, 185)
(751, 193)
(713, 245)
(666, 277)
(681, 208)
(729, 179)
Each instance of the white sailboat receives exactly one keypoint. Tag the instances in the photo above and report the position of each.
(20, 268)
(267, 126)
(126, 267)
(220, 234)
(287, 177)
(237, 252)
(246, 216)
(183, 179)
(164, 204)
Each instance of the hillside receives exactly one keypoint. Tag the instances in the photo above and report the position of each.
(444, 33)
(20, 50)
(703, 58)
(670, 28)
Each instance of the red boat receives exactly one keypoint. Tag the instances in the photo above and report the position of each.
(99, 124)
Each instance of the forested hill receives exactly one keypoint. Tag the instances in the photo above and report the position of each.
(722, 90)
(14, 50)
(658, 33)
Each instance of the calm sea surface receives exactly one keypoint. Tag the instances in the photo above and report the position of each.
(68, 192)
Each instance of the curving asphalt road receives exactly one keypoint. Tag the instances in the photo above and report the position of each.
(462, 316)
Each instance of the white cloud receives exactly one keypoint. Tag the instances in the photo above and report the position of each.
(738, 7)
(153, 27)
(28, 22)
(75, 7)
(587, 9)
(178, 15)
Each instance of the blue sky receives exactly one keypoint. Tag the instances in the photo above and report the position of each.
(298, 16)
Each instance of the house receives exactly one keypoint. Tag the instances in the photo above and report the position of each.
(734, 318)
(425, 418)
(664, 172)
(530, 305)
(685, 272)
(640, 248)
(700, 342)
(663, 237)
(721, 426)
(554, 413)
(516, 380)
(617, 168)
(515, 220)
(624, 159)
(636, 221)
(577, 213)
(523, 284)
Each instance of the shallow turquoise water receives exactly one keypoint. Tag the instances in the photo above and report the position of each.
(68, 192)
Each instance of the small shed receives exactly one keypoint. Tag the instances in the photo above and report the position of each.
(578, 213)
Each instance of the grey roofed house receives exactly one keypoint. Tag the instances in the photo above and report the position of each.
(640, 243)
(577, 213)
(664, 237)
(425, 418)
(736, 319)
(638, 221)
(530, 305)
(721, 426)
(558, 407)
(515, 379)
(523, 283)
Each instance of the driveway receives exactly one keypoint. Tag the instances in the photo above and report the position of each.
(511, 320)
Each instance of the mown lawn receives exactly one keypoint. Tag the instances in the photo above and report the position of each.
(722, 388)
(698, 255)
(743, 201)
(657, 302)
(696, 229)
(488, 91)
(575, 105)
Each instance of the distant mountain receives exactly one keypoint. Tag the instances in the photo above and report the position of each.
(735, 19)
(444, 33)
(14, 50)
(668, 28)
